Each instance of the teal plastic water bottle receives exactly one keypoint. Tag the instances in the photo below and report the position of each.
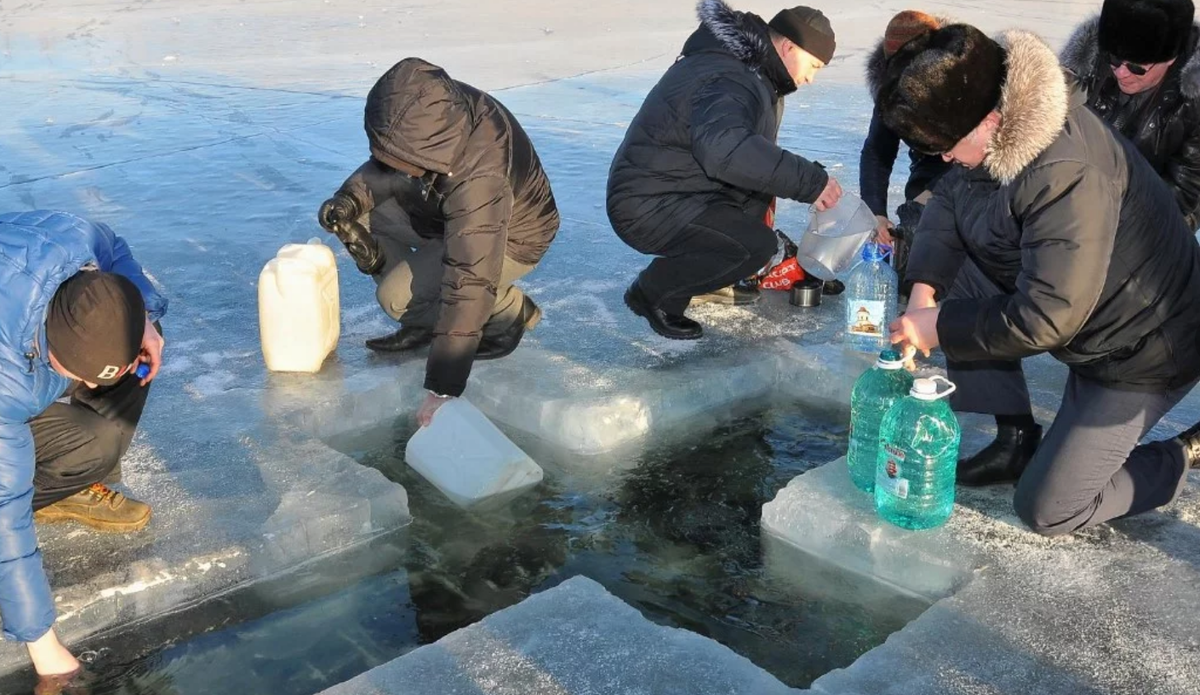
(874, 393)
(914, 478)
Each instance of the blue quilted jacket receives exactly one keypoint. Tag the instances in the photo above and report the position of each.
(38, 251)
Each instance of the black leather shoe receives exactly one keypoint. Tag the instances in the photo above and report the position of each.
(734, 295)
(664, 324)
(1002, 461)
(407, 338)
(1190, 441)
(502, 345)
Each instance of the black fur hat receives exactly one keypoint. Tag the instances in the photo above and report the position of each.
(941, 85)
(1146, 31)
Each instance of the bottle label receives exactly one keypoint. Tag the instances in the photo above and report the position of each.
(866, 318)
(890, 477)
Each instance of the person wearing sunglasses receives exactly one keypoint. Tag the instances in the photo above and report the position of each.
(79, 346)
(1140, 63)
(1052, 235)
(451, 209)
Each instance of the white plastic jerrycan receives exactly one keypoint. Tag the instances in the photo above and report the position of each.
(471, 461)
(298, 315)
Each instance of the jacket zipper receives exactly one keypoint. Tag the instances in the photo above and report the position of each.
(34, 351)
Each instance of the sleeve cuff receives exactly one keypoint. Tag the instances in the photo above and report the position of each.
(957, 329)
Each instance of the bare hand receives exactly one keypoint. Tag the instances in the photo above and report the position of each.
(883, 230)
(830, 196)
(429, 407)
(917, 328)
(152, 350)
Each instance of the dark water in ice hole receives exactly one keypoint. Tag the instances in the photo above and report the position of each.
(676, 536)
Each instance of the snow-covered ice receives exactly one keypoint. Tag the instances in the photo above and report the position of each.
(208, 133)
(570, 640)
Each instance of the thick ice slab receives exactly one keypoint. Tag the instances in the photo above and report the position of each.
(573, 639)
(1110, 610)
(236, 500)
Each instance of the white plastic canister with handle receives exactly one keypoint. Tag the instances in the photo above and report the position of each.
(298, 307)
(469, 459)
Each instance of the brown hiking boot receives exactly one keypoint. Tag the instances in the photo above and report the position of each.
(100, 507)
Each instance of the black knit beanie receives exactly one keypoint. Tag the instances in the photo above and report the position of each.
(95, 324)
(807, 28)
(941, 85)
(1146, 31)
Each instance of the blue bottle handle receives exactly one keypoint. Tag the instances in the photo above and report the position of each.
(142, 371)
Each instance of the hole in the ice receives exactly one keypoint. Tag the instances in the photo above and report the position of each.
(674, 533)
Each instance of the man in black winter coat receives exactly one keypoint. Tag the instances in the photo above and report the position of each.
(1054, 236)
(452, 207)
(1140, 63)
(882, 146)
(699, 166)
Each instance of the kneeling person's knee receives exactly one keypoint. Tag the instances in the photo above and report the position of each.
(1042, 512)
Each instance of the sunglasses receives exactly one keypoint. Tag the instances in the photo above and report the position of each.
(1133, 68)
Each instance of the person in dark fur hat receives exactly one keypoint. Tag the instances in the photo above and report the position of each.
(1054, 235)
(882, 145)
(1140, 63)
(699, 165)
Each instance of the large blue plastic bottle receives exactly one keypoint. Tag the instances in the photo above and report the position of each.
(918, 455)
(870, 301)
(873, 395)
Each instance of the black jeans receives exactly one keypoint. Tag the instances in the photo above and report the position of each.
(81, 443)
(720, 247)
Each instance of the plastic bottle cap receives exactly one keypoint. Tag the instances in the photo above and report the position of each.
(872, 252)
(925, 389)
(889, 359)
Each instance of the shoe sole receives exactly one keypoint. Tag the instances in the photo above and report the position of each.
(46, 517)
(642, 314)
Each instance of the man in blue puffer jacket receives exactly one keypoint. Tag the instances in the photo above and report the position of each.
(78, 317)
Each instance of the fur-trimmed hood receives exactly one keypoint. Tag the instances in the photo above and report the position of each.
(877, 59)
(1033, 105)
(744, 35)
(1081, 55)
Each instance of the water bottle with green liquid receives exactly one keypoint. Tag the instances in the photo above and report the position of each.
(918, 455)
(873, 395)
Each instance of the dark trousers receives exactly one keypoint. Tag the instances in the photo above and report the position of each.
(1090, 467)
(720, 247)
(80, 443)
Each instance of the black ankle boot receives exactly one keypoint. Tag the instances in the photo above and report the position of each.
(503, 345)
(1190, 441)
(407, 338)
(667, 325)
(1003, 460)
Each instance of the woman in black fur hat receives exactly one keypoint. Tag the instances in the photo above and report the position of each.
(1054, 235)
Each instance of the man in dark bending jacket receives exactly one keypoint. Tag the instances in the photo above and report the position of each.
(1054, 236)
(699, 166)
(452, 207)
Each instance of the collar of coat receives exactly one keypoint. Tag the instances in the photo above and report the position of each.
(747, 40)
(1081, 55)
(1033, 105)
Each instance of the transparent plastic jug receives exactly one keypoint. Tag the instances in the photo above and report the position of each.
(471, 461)
(918, 458)
(298, 314)
(870, 302)
(833, 239)
(873, 396)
